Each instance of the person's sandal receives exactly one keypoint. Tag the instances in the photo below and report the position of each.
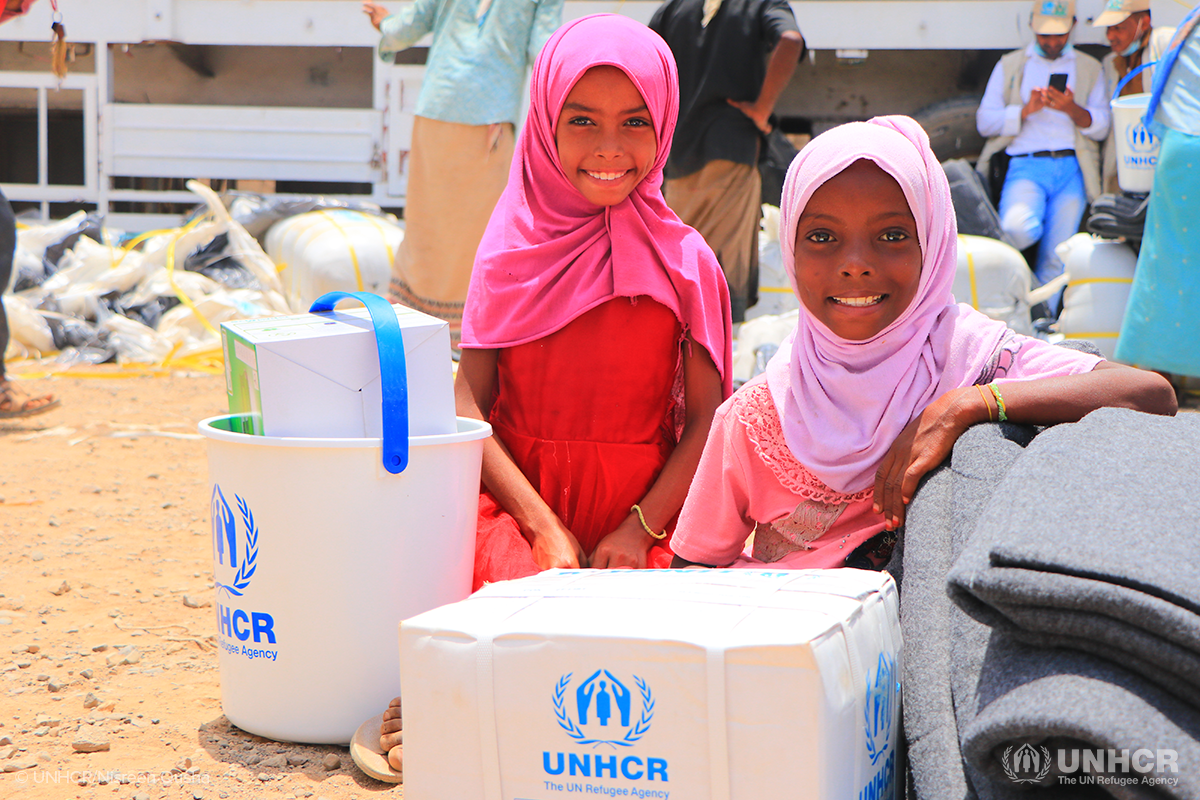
(16, 403)
(369, 756)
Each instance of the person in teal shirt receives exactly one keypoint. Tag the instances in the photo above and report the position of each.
(463, 134)
(1161, 326)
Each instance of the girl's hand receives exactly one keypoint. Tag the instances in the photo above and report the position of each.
(922, 445)
(557, 549)
(626, 547)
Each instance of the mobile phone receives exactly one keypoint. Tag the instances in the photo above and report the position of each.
(1058, 80)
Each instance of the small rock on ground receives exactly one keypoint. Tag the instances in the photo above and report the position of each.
(89, 745)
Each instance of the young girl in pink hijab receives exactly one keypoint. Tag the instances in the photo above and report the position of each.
(596, 328)
(596, 333)
(883, 373)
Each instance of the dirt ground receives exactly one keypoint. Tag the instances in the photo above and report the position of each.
(109, 684)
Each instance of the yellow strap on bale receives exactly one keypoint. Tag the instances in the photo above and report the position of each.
(349, 244)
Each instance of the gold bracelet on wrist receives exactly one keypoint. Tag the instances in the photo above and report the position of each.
(638, 509)
(983, 395)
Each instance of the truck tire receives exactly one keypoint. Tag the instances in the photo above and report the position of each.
(951, 128)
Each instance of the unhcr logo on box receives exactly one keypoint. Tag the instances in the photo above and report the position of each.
(602, 711)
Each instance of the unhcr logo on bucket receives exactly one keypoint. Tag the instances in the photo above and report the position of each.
(233, 569)
(1143, 147)
(1081, 767)
(602, 710)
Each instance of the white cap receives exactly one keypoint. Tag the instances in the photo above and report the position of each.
(1117, 11)
(1052, 17)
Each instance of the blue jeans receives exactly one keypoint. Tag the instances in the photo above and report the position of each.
(1043, 200)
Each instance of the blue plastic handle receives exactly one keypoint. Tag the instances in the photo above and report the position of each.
(393, 374)
(1132, 73)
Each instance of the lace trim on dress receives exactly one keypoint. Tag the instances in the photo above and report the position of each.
(757, 413)
(807, 523)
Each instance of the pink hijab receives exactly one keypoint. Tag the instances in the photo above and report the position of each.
(549, 255)
(843, 403)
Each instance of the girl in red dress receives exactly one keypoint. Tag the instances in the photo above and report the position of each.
(596, 330)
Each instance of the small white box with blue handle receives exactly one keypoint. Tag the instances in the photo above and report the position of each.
(696, 684)
(317, 375)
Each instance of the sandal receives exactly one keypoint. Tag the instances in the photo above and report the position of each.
(369, 756)
(16, 402)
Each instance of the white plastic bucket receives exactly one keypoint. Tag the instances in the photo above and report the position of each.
(1137, 147)
(318, 553)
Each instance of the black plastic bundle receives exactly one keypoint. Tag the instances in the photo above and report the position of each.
(1117, 216)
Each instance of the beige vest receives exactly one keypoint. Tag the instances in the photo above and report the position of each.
(1087, 151)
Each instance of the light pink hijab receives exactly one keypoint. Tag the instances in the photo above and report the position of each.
(549, 255)
(843, 403)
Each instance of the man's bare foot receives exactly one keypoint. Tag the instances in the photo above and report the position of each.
(391, 735)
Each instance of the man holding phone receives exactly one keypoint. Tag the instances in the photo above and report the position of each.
(1031, 113)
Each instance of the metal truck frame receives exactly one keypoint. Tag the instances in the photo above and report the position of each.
(290, 93)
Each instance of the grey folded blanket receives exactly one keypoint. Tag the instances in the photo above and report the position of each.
(937, 634)
(972, 691)
(1091, 544)
(1070, 706)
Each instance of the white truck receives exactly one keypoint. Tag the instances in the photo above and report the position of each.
(288, 96)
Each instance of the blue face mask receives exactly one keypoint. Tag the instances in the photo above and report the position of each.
(1037, 49)
(1135, 45)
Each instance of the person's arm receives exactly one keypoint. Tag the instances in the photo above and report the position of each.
(552, 543)
(928, 440)
(780, 67)
(1099, 109)
(628, 544)
(993, 117)
(546, 20)
(405, 28)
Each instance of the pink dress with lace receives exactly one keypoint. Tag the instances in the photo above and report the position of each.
(748, 480)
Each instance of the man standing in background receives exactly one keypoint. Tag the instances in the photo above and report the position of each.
(1134, 43)
(1053, 142)
(735, 57)
(463, 134)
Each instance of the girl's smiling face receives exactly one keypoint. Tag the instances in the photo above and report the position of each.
(858, 260)
(605, 137)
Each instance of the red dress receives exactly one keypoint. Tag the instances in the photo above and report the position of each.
(588, 415)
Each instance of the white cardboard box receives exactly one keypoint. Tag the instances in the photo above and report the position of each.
(317, 375)
(690, 684)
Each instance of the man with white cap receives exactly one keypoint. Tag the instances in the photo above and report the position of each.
(1134, 43)
(1053, 141)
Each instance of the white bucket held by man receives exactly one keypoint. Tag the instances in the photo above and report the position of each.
(656, 684)
(1137, 147)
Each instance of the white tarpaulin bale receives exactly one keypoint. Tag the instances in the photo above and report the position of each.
(993, 277)
(764, 332)
(334, 250)
(710, 684)
(775, 295)
(1101, 274)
